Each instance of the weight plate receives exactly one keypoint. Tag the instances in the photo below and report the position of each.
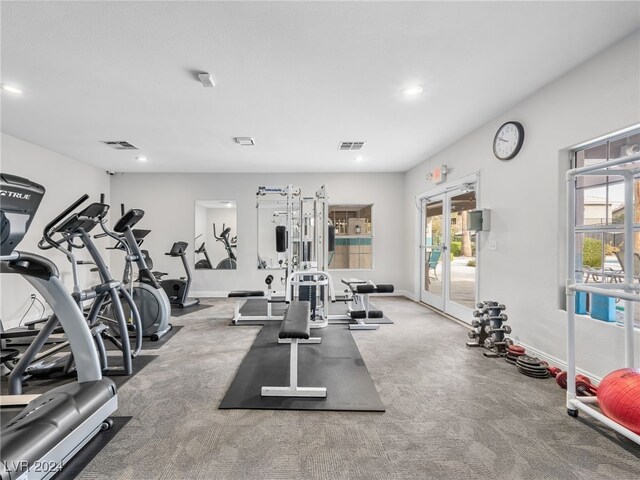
(533, 370)
(516, 348)
(529, 360)
(529, 365)
(532, 375)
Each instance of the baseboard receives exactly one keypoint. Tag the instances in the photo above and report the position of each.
(556, 362)
(407, 294)
(208, 294)
(224, 294)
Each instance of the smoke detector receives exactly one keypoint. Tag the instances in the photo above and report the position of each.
(206, 79)
(245, 141)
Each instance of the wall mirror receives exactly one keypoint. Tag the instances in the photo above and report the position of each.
(270, 215)
(216, 236)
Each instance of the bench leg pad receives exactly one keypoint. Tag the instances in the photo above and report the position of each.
(364, 326)
(294, 392)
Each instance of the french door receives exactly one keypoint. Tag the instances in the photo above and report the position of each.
(448, 260)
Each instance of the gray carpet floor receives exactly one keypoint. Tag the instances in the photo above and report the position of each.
(451, 414)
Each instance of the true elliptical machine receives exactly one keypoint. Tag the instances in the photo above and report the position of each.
(150, 298)
(55, 426)
(228, 263)
(177, 289)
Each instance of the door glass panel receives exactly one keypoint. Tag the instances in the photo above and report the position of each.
(462, 248)
(433, 239)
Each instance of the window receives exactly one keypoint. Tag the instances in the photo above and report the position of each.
(600, 214)
(354, 237)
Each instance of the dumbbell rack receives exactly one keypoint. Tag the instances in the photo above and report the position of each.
(489, 329)
(626, 167)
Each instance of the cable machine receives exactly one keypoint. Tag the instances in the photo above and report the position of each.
(305, 239)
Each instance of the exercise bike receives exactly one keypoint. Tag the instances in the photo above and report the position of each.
(177, 289)
(228, 263)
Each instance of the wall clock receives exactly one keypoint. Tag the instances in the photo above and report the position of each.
(508, 140)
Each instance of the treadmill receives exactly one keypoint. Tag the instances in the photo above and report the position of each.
(40, 439)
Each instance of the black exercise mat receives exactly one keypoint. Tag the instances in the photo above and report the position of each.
(36, 385)
(90, 450)
(178, 312)
(335, 363)
(254, 307)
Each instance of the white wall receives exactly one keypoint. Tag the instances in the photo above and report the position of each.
(168, 200)
(64, 179)
(526, 196)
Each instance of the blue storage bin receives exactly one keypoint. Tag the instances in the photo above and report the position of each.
(603, 308)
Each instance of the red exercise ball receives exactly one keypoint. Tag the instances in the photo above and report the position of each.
(619, 397)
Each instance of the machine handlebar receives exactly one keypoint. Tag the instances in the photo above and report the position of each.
(47, 232)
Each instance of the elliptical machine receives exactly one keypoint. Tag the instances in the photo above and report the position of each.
(151, 300)
(72, 231)
(228, 263)
(177, 289)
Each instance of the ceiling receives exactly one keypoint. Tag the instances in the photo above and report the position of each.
(298, 77)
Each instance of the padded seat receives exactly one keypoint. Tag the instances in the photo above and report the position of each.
(386, 288)
(296, 321)
(364, 288)
(246, 293)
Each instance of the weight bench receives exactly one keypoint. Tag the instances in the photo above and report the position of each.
(360, 291)
(295, 328)
(242, 295)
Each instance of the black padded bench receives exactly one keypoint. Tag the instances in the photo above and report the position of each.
(360, 291)
(246, 293)
(295, 328)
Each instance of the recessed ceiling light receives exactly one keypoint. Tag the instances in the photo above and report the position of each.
(359, 158)
(142, 159)
(10, 89)
(412, 90)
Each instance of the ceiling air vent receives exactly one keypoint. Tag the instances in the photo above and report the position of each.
(351, 145)
(244, 141)
(119, 144)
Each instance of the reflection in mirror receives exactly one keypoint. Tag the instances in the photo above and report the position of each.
(354, 237)
(215, 235)
(270, 215)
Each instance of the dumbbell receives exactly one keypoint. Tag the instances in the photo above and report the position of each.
(554, 371)
(489, 344)
(477, 313)
(472, 334)
(475, 323)
(505, 328)
(583, 383)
